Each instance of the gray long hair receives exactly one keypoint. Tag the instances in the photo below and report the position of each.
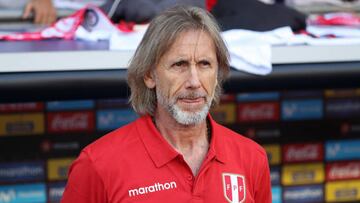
(159, 37)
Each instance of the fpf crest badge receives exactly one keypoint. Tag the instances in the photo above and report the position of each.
(234, 187)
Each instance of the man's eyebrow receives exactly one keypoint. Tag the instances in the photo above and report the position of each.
(205, 59)
(179, 59)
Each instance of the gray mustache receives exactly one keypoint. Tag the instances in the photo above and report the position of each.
(191, 95)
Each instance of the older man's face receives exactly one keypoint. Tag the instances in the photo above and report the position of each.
(186, 77)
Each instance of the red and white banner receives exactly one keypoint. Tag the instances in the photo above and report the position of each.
(303, 152)
(61, 122)
(336, 18)
(343, 170)
(234, 187)
(88, 23)
(258, 111)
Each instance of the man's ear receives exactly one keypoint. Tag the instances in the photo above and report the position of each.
(149, 80)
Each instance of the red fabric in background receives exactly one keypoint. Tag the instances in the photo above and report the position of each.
(210, 4)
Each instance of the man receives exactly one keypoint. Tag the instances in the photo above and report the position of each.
(174, 152)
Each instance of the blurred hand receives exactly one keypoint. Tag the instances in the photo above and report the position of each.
(43, 11)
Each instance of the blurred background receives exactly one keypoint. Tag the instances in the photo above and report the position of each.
(58, 94)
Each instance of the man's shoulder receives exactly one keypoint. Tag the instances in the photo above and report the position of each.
(239, 141)
(115, 141)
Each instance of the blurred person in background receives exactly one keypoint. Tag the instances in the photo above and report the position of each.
(142, 11)
(175, 152)
(43, 11)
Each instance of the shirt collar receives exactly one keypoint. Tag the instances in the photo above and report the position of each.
(161, 152)
(217, 141)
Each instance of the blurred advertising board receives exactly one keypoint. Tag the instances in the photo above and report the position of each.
(112, 103)
(257, 96)
(58, 168)
(342, 150)
(55, 191)
(111, 119)
(224, 98)
(273, 152)
(302, 109)
(342, 93)
(302, 94)
(343, 170)
(21, 107)
(22, 124)
(339, 191)
(343, 108)
(224, 113)
(258, 107)
(303, 152)
(303, 194)
(303, 174)
(21, 171)
(60, 148)
(62, 122)
(259, 112)
(70, 105)
(276, 194)
(27, 193)
(275, 175)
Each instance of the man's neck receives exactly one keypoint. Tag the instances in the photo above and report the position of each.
(189, 140)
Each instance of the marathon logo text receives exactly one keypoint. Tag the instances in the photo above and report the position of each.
(157, 187)
(29, 171)
(302, 194)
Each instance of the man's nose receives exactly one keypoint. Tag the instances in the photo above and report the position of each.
(193, 80)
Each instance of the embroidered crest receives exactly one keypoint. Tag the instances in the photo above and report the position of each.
(234, 187)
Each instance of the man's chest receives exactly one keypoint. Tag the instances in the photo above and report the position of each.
(174, 182)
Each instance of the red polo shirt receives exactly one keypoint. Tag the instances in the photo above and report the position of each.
(136, 164)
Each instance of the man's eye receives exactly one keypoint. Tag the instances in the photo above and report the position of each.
(180, 63)
(204, 63)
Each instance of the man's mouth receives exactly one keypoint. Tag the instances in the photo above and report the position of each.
(192, 100)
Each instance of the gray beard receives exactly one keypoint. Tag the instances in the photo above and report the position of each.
(183, 117)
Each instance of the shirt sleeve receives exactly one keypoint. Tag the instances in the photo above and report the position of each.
(84, 183)
(263, 190)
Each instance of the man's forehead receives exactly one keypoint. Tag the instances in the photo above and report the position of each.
(199, 39)
(191, 36)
